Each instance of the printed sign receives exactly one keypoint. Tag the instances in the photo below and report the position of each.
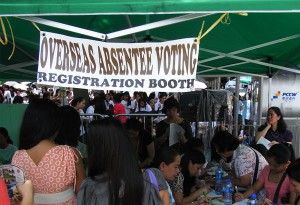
(80, 63)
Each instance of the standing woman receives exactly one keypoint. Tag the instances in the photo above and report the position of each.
(126, 102)
(294, 174)
(275, 129)
(52, 168)
(171, 107)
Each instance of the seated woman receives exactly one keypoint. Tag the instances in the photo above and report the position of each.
(294, 175)
(279, 159)
(275, 129)
(167, 161)
(7, 149)
(183, 186)
(142, 142)
(243, 159)
(114, 175)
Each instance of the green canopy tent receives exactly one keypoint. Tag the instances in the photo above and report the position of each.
(260, 44)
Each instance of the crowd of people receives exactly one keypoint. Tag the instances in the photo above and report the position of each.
(122, 162)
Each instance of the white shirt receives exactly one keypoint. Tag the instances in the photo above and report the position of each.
(7, 97)
(147, 108)
(90, 110)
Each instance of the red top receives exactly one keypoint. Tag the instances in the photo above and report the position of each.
(119, 109)
(4, 193)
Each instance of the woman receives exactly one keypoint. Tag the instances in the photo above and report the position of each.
(142, 142)
(109, 104)
(53, 169)
(184, 185)
(7, 150)
(243, 159)
(114, 175)
(278, 158)
(171, 107)
(168, 162)
(143, 106)
(294, 175)
(78, 104)
(126, 102)
(275, 129)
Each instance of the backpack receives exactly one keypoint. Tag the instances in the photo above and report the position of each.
(151, 191)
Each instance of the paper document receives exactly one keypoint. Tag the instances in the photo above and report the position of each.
(213, 194)
(264, 142)
(174, 130)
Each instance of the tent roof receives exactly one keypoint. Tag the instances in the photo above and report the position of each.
(260, 44)
(42, 7)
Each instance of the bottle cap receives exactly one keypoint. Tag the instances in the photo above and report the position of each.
(228, 180)
(253, 195)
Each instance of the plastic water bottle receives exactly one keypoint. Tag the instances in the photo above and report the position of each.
(219, 180)
(227, 192)
(252, 200)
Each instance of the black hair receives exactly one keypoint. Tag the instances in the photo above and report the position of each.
(133, 124)
(128, 102)
(293, 170)
(110, 154)
(46, 95)
(162, 94)
(139, 103)
(261, 148)
(165, 154)
(281, 125)
(194, 143)
(224, 141)
(4, 132)
(100, 107)
(75, 101)
(41, 121)
(195, 157)
(70, 127)
(18, 100)
(280, 153)
(151, 96)
(169, 104)
(117, 97)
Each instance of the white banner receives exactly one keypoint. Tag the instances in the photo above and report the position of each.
(80, 63)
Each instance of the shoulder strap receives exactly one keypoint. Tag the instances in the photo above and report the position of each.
(275, 199)
(152, 179)
(256, 167)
